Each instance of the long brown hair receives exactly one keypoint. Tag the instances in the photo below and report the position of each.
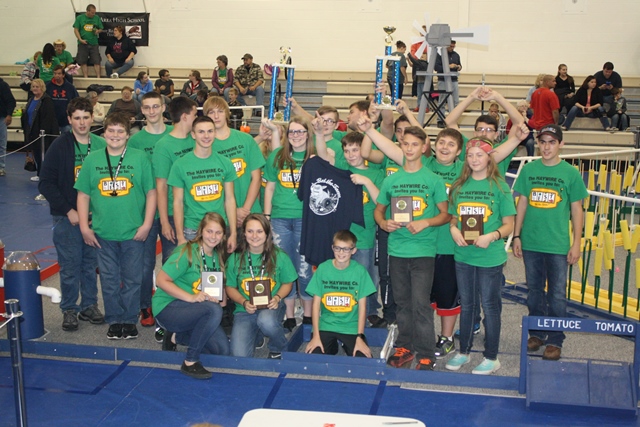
(493, 174)
(284, 157)
(187, 249)
(270, 250)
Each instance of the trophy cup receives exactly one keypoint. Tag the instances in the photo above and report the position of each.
(285, 64)
(387, 102)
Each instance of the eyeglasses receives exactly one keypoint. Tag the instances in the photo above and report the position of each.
(487, 130)
(329, 121)
(339, 249)
(297, 132)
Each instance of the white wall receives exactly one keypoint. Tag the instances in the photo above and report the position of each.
(527, 36)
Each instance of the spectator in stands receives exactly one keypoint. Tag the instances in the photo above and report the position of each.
(248, 80)
(545, 104)
(236, 113)
(536, 86)
(47, 62)
(129, 106)
(193, 85)
(588, 104)
(64, 57)
(565, 88)
(617, 110)
(523, 108)
(39, 115)
(164, 85)
(7, 105)
(606, 80)
(142, 85)
(222, 78)
(201, 98)
(420, 64)
(86, 28)
(401, 48)
(455, 65)
(30, 72)
(494, 111)
(98, 111)
(120, 53)
(61, 92)
(412, 53)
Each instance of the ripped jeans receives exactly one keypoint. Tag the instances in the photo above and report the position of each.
(286, 235)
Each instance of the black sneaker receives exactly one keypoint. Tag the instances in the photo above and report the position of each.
(444, 346)
(159, 335)
(92, 314)
(115, 331)
(274, 355)
(129, 331)
(167, 344)
(69, 321)
(196, 371)
(290, 324)
(306, 320)
(377, 321)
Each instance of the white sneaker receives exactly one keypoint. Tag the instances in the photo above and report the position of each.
(40, 197)
(2, 172)
(114, 76)
(35, 178)
(456, 362)
(487, 367)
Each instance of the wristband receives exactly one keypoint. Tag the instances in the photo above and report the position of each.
(243, 304)
(499, 234)
(364, 338)
(515, 237)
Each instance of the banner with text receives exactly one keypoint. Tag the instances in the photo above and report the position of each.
(136, 26)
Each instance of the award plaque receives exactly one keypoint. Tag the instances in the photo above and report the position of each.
(472, 227)
(259, 292)
(402, 209)
(213, 284)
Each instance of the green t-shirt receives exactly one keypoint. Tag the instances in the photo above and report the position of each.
(203, 183)
(81, 151)
(285, 202)
(336, 146)
(169, 149)
(146, 141)
(246, 157)
(427, 190)
(550, 190)
(445, 244)
(65, 58)
(367, 235)
(340, 292)
(116, 218)
(86, 26)
(238, 278)
(503, 166)
(186, 277)
(483, 197)
(339, 134)
(46, 68)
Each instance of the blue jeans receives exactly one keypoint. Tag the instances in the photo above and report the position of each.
(481, 283)
(620, 121)
(286, 235)
(577, 112)
(548, 270)
(258, 93)
(3, 141)
(118, 67)
(246, 327)
(77, 263)
(366, 258)
(149, 265)
(197, 325)
(419, 89)
(167, 245)
(412, 279)
(121, 279)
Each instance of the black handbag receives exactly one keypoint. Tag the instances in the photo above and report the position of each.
(29, 163)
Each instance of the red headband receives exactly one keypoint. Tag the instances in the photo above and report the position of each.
(484, 145)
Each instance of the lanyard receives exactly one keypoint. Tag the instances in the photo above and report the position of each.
(113, 176)
(75, 141)
(251, 267)
(205, 267)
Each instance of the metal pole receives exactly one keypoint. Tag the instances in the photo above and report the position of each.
(42, 146)
(13, 313)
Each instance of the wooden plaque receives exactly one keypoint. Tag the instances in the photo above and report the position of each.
(402, 209)
(259, 292)
(472, 227)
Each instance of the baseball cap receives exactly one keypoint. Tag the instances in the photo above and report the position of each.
(247, 56)
(553, 130)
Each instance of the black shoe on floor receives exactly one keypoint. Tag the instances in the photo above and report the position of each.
(167, 344)
(377, 321)
(115, 331)
(129, 331)
(159, 335)
(196, 371)
(290, 324)
(92, 314)
(69, 321)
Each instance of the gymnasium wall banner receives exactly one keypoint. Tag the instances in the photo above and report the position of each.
(136, 26)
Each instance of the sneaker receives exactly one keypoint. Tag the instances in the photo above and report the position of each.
(129, 331)
(274, 355)
(290, 324)
(444, 346)
(40, 197)
(146, 317)
(2, 172)
(35, 178)
(551, 352)
(377, 321)
(487, 367)
(476, 330)
(69, 320)
(196, 371)
(167, 344)
(456, 362)
(534, 344)
(425, 365)
(114, 76)
(401, 358)
(92, 314)
(306, 320)
(115, 331)
(260, 344)
(159, 335)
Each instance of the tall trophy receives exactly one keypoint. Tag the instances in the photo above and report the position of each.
(284, 64)
(387, 102)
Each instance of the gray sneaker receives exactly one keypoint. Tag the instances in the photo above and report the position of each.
(444, 346)
(92, 314)
(69, 321)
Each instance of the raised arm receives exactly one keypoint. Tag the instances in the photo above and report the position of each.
(452, 119)
(384, 144)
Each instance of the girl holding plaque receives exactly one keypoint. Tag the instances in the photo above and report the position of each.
(483, 212)
(259, 276)
(180, 304)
